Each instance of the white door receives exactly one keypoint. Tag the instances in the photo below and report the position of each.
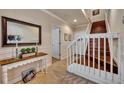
(56, 43)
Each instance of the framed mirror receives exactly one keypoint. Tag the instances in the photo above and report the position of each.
(24, 33)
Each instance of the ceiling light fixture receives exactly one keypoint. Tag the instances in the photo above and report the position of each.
(75, 20)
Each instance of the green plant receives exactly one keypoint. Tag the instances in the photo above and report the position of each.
(28, 50)
(33, 49)
(23, 50)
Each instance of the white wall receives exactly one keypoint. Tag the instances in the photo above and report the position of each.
(65, 29)
(115, 21)
(79, 31)
(37, 17)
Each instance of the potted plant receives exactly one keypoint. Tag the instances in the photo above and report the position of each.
(33, 49)
(28, 50)
(23, 50)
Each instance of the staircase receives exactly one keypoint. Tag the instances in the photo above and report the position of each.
(91, 55)
(99, 27)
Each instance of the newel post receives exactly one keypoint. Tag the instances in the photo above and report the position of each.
(121, 60)
(122, 69)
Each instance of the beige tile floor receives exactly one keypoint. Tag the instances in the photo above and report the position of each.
(57, 74)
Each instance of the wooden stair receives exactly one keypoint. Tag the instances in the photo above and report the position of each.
(99, 27)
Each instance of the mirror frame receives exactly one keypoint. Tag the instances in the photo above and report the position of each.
(4, 32)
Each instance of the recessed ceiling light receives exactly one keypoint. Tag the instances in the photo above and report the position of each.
(75, 20)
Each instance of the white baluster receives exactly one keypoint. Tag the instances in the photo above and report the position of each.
(111, 64)
(80, 51)
(77, 54)
(76, 51)
(99, 55)
(67, 57)
(105, 56)
(84, 43)
(94, 55)
(119, 62)
(70, 55)
(89, 52)
(73, 56)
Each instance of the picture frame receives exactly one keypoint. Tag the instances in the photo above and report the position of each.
(95, 12)
(67, 37)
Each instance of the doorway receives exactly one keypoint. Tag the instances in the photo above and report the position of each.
(56, 44)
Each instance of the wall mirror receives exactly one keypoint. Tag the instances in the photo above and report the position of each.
(16, 31)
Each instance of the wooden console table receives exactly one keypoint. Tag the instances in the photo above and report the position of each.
(14, 63)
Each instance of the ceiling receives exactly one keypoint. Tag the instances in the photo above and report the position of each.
(69, 15)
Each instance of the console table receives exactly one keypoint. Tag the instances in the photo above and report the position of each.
(14, 63)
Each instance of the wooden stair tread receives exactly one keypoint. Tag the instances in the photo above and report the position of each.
(102, 59)
(96, 50)
(115, 68)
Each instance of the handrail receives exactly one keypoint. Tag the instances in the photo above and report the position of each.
(101, 35)
(88, 29)
(86, 32)
(79, 61)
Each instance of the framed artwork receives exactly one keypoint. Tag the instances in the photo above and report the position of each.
(66, 37)
(95, 12)
(69, 37)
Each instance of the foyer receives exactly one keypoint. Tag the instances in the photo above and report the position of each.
(61, 46)
(57, 74)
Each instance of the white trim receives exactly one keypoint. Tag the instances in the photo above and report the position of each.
(83, 11)
(81, 25)
(88, 29)
(55, 16)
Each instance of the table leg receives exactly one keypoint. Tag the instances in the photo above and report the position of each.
(42, 66)
(5, 76)
(45, 61)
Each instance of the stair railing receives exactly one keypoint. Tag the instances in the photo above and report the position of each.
(81, 64)
(115, 55)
